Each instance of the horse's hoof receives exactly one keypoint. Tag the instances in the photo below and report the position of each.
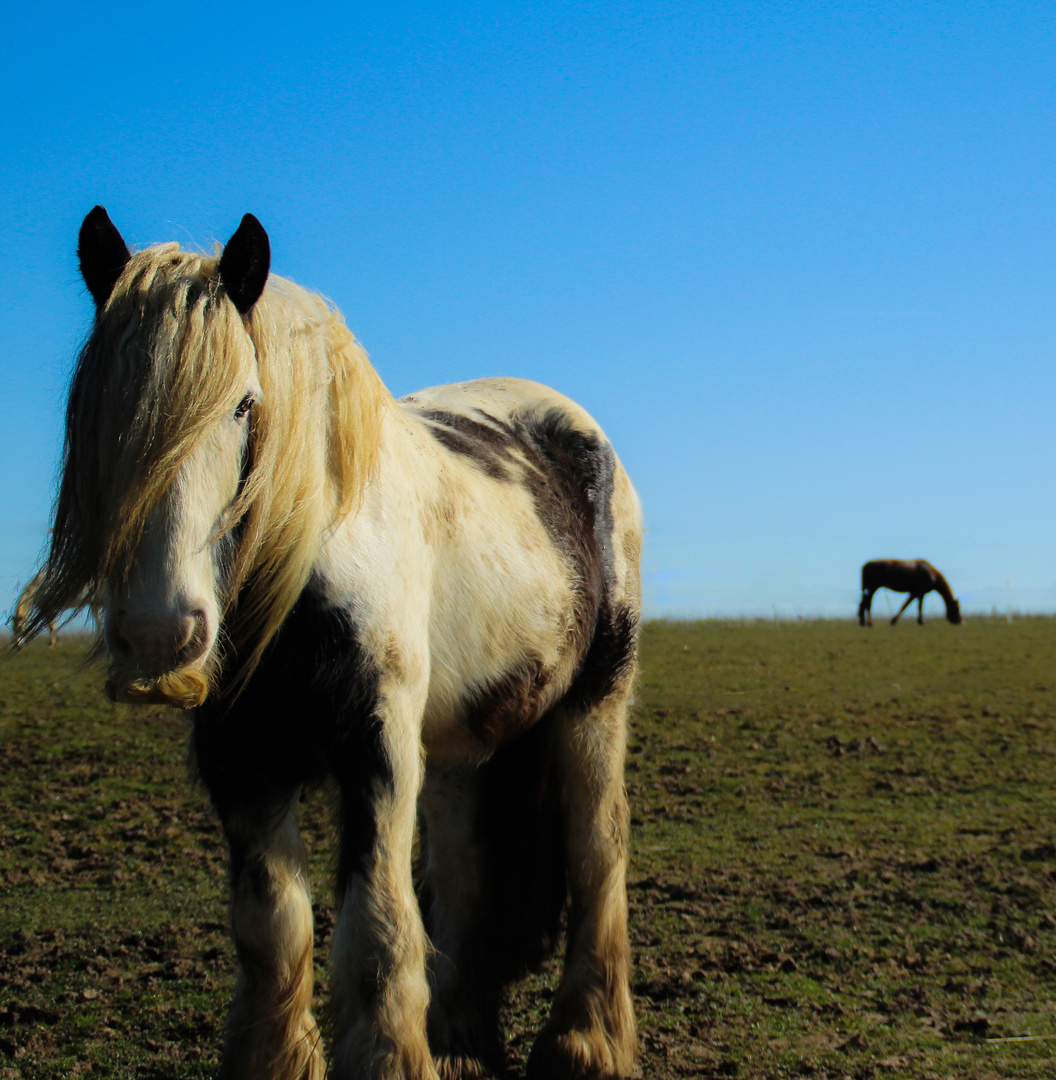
(461, 1067)
(580, 1055)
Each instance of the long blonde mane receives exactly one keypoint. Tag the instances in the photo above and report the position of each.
(168, 358)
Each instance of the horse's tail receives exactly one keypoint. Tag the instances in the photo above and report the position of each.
(870, 574)
(522, 828)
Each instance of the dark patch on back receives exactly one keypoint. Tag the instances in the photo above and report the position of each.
(572, 487)
(310, 710)
(569, 473)
(487, 444)
(584, 467)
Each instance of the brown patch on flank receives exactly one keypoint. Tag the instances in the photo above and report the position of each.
(509, 706)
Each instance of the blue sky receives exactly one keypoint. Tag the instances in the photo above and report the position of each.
(798, 259)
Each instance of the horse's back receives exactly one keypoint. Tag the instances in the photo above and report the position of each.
(503, 403)
(898, 575)
(523, 432)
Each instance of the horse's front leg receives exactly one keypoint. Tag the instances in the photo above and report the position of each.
(920, 611)
(380, 993)
(270, 1032)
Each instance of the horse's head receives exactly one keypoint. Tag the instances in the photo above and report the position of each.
(953, 611)
(215, 430)
(159, 447)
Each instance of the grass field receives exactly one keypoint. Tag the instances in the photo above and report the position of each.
(844, 862)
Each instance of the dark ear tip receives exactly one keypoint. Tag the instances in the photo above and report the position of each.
(102, 253)
(97, 218)
(250, 227)
(245, 262)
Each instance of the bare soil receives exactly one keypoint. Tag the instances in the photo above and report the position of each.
(844, 863)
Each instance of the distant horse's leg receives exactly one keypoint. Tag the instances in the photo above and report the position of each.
(920, 610)
(909, 600)
(465, 988)
(270, 1032)
(865, 608)
(53, 637)
(380, 993)
(591, 1031)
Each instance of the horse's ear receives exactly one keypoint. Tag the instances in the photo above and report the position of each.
(244, 264)
(102, 253)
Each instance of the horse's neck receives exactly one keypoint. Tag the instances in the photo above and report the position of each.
(943, 589)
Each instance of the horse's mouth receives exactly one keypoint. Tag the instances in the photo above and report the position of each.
(184, 689)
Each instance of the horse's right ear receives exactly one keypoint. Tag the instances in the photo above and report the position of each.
(102, 253)
(245, 263)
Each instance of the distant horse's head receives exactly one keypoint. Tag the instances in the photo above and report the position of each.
(953, 610)
(201, 465)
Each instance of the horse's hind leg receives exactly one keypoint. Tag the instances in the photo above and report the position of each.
(591, 1030)
(465, 986)
(909, 600)
(270, 1032)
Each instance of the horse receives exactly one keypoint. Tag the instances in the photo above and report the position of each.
(434, 602)
(24, 605)
(914, 576)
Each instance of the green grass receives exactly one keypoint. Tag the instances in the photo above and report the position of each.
(844, 862)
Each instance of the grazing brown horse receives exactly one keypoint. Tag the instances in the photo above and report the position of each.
(914, 576)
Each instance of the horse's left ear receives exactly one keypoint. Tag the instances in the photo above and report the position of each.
(102, 254)
(245, 263)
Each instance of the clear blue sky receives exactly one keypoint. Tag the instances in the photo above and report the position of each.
(798, 259)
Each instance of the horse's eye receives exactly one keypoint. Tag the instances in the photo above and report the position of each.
(244, 406)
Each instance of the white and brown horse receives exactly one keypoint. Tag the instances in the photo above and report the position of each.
(435, 601)
(914, 576)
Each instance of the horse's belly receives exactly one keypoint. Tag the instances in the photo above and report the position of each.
(496, 667)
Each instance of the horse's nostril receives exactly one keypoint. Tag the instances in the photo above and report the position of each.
(197, 635)
(160, 642)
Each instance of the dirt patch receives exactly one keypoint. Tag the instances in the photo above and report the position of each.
(844, 863)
